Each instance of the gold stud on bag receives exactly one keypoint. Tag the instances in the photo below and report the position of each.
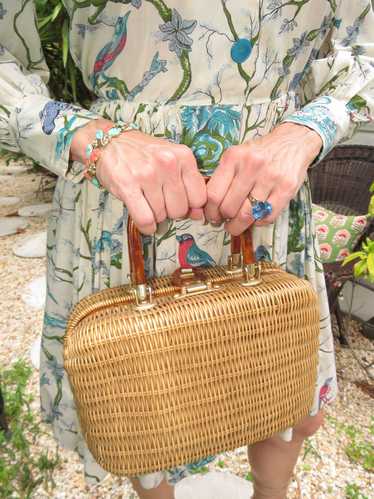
(178, 368)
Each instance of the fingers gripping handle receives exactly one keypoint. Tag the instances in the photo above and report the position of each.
(239, 244)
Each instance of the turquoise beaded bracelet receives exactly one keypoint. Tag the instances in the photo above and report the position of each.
(103, 138)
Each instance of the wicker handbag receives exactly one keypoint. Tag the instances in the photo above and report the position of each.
(172, 370)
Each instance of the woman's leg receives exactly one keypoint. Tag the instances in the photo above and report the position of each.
(163, 491)
(273, 460)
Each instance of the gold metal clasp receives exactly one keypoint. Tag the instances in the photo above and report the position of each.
(234, 264)
(192, 282)
(143, 296)
(252, 274)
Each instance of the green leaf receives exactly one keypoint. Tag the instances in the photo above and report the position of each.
(371, 207)
(51, 18)
(370, 263)
(65, 42)
(354, 256)
(360, 268)
(357, 102)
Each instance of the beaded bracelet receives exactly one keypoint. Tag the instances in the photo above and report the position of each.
(103, 138)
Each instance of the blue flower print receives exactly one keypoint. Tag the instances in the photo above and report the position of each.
(299, 44)
(136, 3)
(327, 23)
(208, 150)
(223, 120)
(287, 26)
(275, 9)
(209, 131)
(2, 11)
(176, 33)
(352, 34)
(83, 28)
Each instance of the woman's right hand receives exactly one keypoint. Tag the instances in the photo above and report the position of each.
(155, 178)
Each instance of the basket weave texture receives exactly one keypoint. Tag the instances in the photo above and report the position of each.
(195, 375)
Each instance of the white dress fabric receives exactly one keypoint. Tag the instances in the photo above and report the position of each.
(205, 74)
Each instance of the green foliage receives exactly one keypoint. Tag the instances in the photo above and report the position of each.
(364, 267)
(309, 449)
(353, 491)
(371, 202)
(358, 449)
(249, 477)
(22, 467)
(66, 81)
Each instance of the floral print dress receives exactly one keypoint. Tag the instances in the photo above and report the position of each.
(205, 74)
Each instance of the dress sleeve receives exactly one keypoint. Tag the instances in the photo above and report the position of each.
(340, 87)
(30, 121)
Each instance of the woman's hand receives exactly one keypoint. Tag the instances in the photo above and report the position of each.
(153, 177)
(271, 168)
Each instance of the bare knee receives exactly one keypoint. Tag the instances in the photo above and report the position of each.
(309, 425)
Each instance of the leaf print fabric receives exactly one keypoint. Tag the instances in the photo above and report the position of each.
(176, 33)
(205, 74)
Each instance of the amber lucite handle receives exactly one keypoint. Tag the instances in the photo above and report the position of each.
(136, 257)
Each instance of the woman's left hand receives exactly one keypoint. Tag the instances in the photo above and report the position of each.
(271, 168)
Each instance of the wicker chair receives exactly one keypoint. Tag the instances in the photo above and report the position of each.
(341, 183)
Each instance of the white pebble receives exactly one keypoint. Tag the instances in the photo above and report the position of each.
(36, 210)
(35, 292)
(12, 225)
(35, 353)
(34, 246)
(9, 200)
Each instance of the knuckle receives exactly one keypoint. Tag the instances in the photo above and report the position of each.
(257, 157)
(144, 219)
(289, 185)
(227, 211)
(272, 175)
(160, 215)
(199, 201)
(244, 216)
(213, 197)
(185, 152)
(146, 174)
(230, 154)
(168, 158)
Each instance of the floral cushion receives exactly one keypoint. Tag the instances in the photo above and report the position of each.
(337, 234)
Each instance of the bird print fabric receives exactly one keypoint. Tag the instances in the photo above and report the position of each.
(190, 255)
(205, 74)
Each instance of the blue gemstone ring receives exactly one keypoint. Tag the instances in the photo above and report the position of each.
(260, 209)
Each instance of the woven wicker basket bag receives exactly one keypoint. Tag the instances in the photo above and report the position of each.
(172, 370)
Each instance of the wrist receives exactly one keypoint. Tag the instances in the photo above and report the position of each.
(84, 136)
(311, 141)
